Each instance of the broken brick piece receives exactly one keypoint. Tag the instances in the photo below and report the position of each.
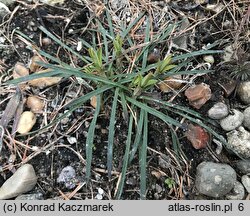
(198, 137)
(198, 95)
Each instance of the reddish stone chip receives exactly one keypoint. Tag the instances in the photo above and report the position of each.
(197, 136)
(198, 95)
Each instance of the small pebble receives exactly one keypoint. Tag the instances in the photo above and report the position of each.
(243, 166)
(238, 141)
(232, 121)
(99, 196)
(68, 177)
(100, 191)
(170, 83)
(35, 104)
(246, 121)
(237, 192)
(44, 81)
(22, 181)
(34, 66)
(2, 40)
(37, 196)
(26, 122)
(72, 140)
(243, 92)
(218, 111)
(46, 41)
(208, 59)
(214, 179)
(246, 182)
(20, 70)
(79, 46)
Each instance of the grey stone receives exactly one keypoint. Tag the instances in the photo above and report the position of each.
(246, 182)
(164, 161)
(232, 121)
(68, 177)
(214, 180)
(218, 111)
(158, 188)
(4, 10)
(181, 41)
(228, 53)
(52, 2)
(22, 181)
(238, 141)
(37, 196)
(237, 193)
(246, 121)
(243, 166)
(117, 4)
(7, 2)
(243, 92)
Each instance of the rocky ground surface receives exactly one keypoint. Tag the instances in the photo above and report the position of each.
(53, 161)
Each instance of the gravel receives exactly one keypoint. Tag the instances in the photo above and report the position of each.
(232, 121)
(238, 141)
(68, 177)
(246, 121)
(243, 166)
(215, 180)
(246, 182)
(237, 193)
(243, 92)
(218, 111)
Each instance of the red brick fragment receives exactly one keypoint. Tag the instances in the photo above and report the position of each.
(197, 136)
(198, 95)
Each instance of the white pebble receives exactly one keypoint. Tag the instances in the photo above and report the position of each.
(100, 191)
(209, 59)
(72, 140)
(79, 46)
(99, 197)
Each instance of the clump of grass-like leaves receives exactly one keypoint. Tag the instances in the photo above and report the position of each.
(118, 66)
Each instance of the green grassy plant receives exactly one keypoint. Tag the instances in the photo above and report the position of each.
(109, 69)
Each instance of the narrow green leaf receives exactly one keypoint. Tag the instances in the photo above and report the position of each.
(147, 38)
(138, 136)
(125, 159)
(175, 142)
(143, 158)
(130, 26)
(105, 41)
(124, 105)
(52, 73)
(145, 79)
(150, 83)
(111, 133)
(164, 63)
(195, 53)
(62, 44)
(65, 72)
(174, 107)
(90, 139)
(154, 112)
(110, 24)
(169, 67)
